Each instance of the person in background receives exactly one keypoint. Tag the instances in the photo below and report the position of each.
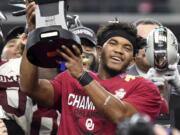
(13, 46)
(40, 120)
(142, 68)
(141, 64)
(15, 106)
(89, 47)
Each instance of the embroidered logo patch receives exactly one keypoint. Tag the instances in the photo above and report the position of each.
(129, 77)
(120, 93)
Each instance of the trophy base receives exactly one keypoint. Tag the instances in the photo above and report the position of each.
(43, 42)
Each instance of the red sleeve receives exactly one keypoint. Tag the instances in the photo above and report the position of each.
(57, 85)
(145, 97)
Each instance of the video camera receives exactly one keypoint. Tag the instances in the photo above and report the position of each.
(162, 48)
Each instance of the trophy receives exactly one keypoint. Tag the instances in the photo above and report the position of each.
(50, 34)
(162, 48)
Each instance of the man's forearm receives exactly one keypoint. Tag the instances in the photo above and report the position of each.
(40, 90)
(113, 108)
(28, 75)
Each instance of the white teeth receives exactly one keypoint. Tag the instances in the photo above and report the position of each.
(116, 58)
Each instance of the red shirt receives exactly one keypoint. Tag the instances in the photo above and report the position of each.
(79, 116)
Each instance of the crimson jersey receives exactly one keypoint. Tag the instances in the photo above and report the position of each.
(14, 104)
(80, 117)
(45, 121)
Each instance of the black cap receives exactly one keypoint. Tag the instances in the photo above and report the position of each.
(85, 33)
(14, 33)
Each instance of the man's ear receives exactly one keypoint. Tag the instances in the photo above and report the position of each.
(132, 61)
(99, 50)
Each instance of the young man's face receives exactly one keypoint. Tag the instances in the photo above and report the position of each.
(89, 57)
(117, 54)
(11, 50)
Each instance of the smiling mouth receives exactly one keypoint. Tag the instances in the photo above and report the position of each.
(116, 59)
